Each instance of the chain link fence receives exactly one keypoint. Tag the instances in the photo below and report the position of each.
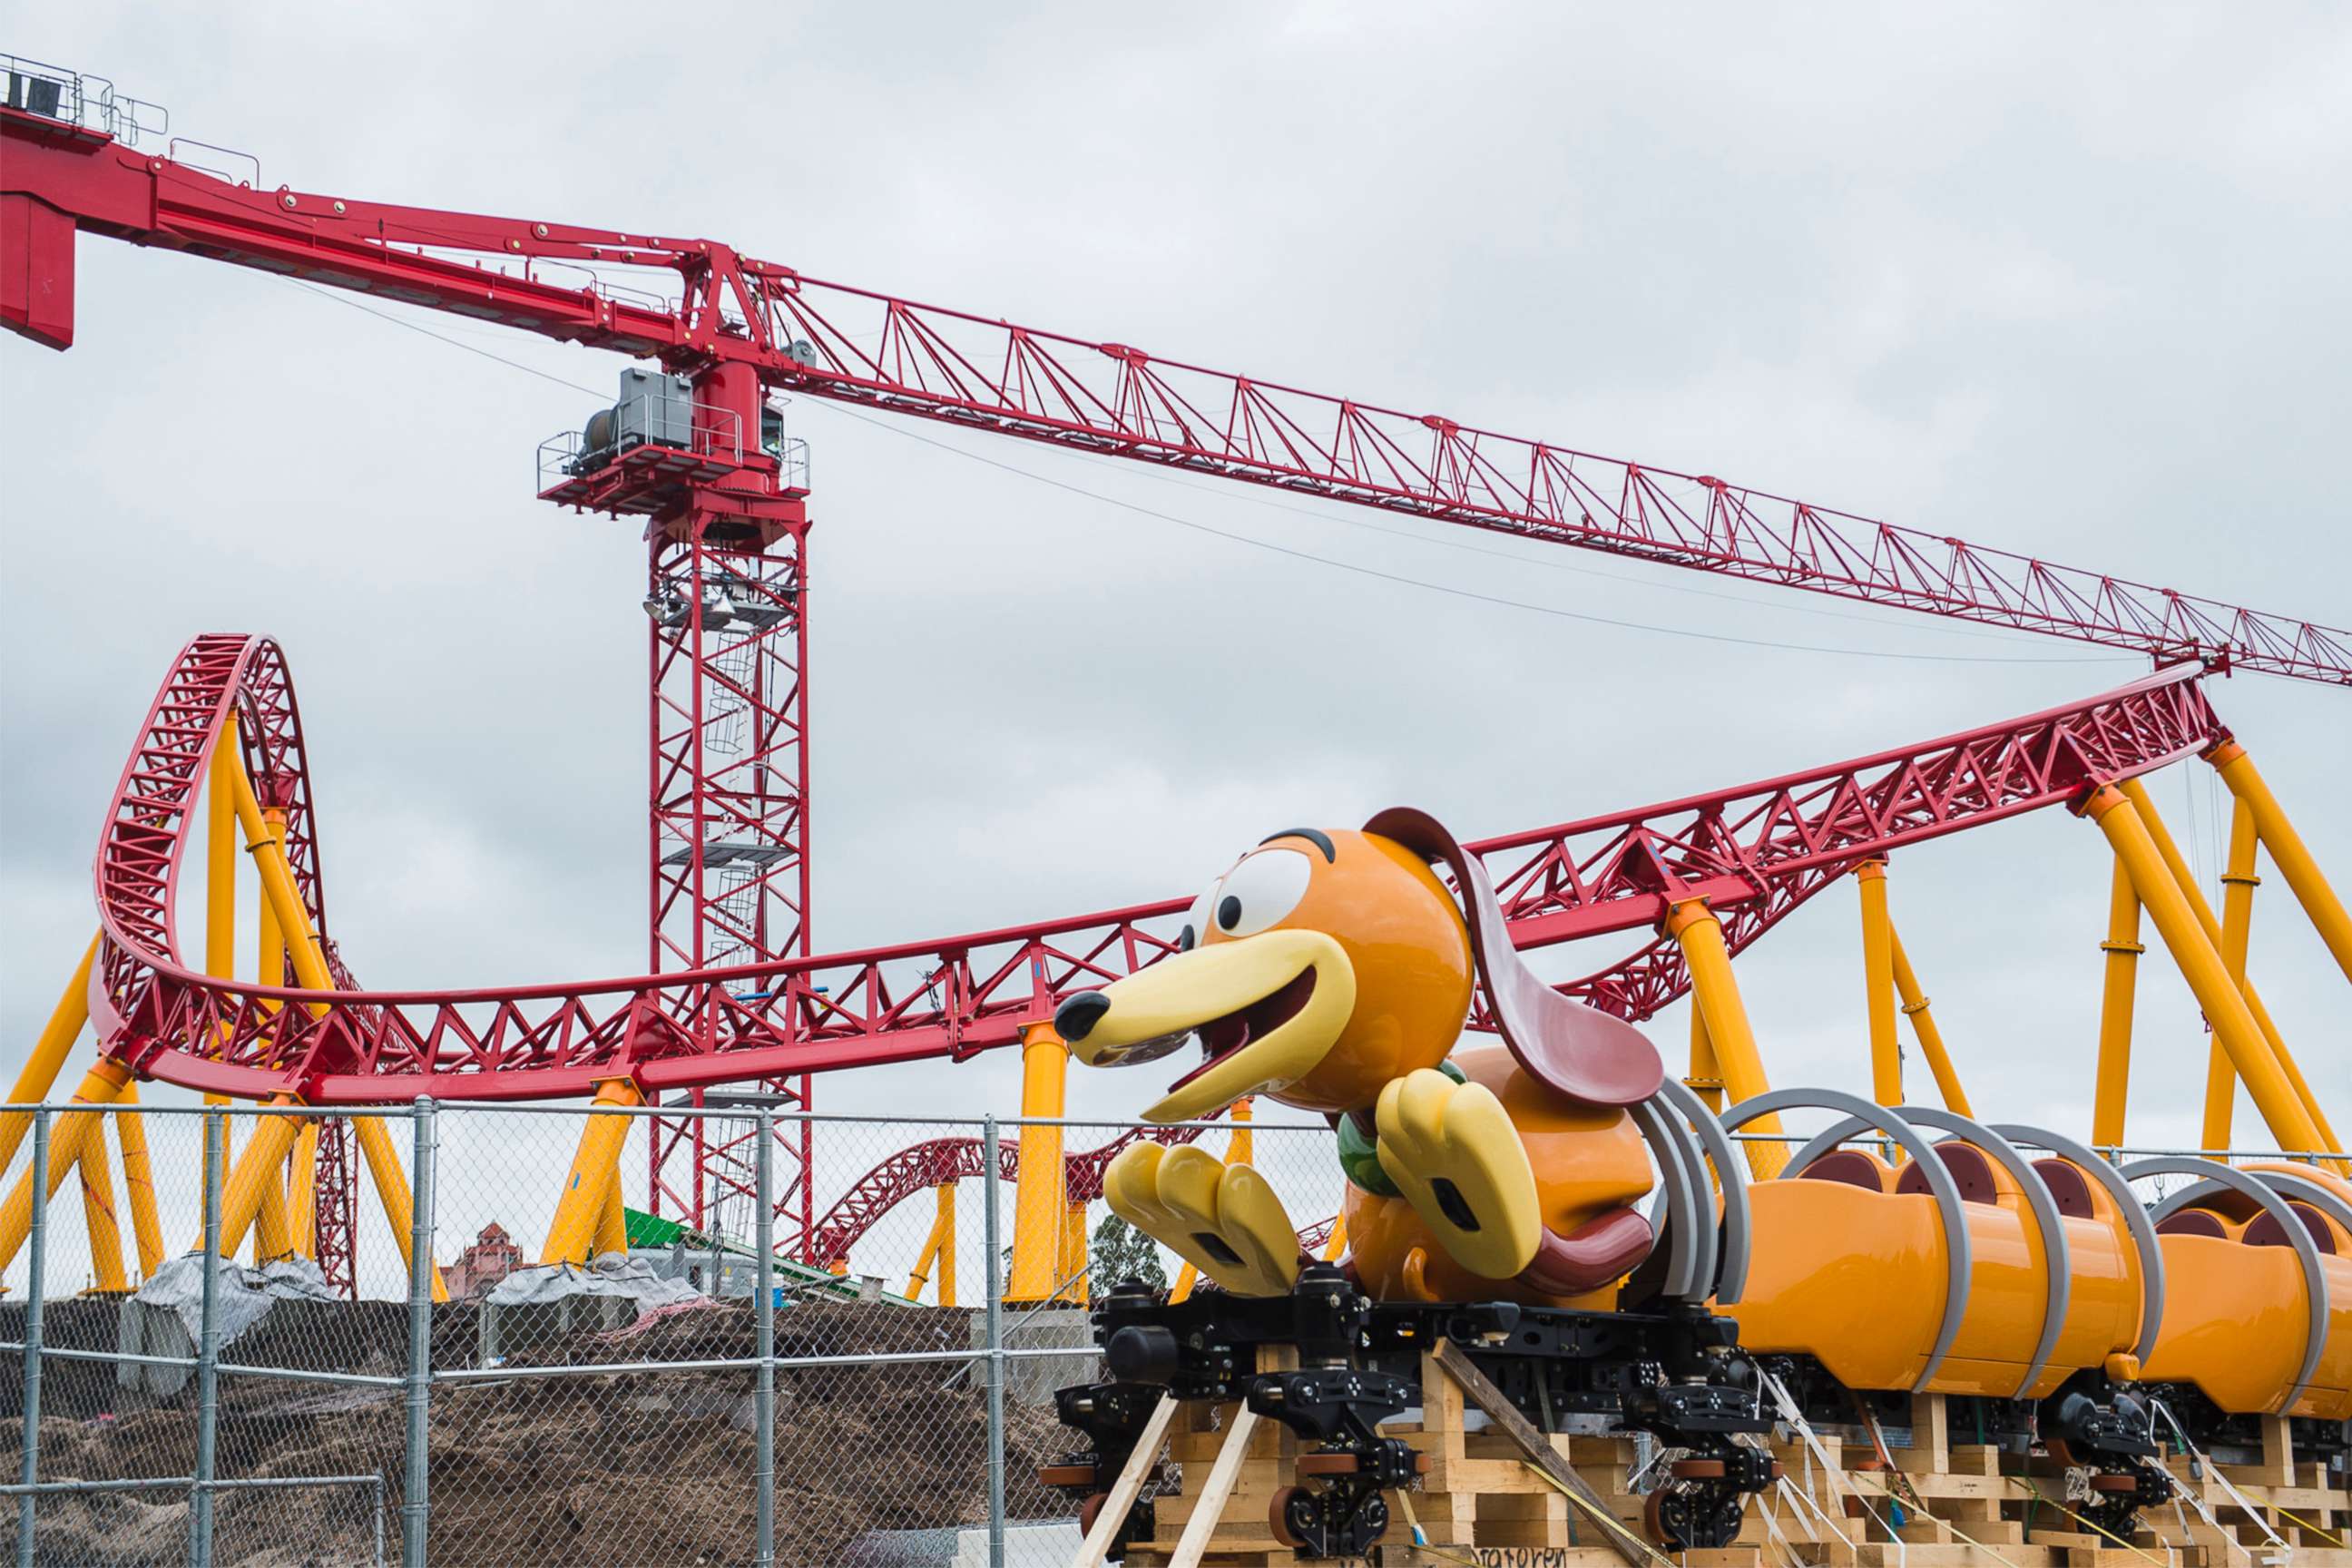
(705, 1381)
(209, 1370)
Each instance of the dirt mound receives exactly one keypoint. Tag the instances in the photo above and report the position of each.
(638, 1467)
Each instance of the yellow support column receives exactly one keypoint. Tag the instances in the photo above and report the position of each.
(98, 1214)
(939, 1245)
(1706, 1078)
(273, 1232)
(1338, 1243)
(2200, 965)
(273, 1229)
(1037, 1193)
(302, 1190)
(2288, 853)
(2120, 984)
(39, 1074)
(139, 1182)
(595, 1166)
(1878, 983)
(2238, 885)
(67, 1139)
(220, 891)
(265, 840)
(1700, 936)
(2183, 878)
(946, 1225)
(613, 1218)
(392, 1192)
(260, 1167)
(1923, 1024)
(1074, 1256)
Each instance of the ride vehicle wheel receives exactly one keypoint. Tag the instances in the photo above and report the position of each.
(1278, 1515)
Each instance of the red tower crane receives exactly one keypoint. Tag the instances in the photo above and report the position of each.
(694, 447)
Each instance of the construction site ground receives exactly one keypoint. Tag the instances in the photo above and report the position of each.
(652, 1466)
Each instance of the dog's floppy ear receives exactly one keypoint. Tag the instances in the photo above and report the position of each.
(1579, 1051)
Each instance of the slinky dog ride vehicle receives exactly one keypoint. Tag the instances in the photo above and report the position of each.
(1492, 1195)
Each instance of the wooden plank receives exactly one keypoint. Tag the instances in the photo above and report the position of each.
(1097, 1545)
(1195, 1541)
(1537, 1446)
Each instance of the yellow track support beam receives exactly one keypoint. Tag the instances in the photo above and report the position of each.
(2238, 884)
(265, 840)
(273, 1236)
(613, 1218)
(2288, 853)
(1878, 983)
(69, 1137)
(1706, 1078)
(260, 1166)
(302, 1190)
(220, 889)
(1072, 1265)
(2186, 880)
(2118, 988)
(1916, 1008)
(220, 854)
(1037, 1193)
(2200, 965)
(39, 1074)
(1338, 1244)
(98, 1213)
(939, 1246)
(139, 1181)
(1700, 936)
(589, 1184)
(392, 1192)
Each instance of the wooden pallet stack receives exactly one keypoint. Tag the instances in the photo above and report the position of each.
(1499, 1497)
(2308, 1519)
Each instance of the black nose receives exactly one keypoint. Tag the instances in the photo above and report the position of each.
(1076, 1018)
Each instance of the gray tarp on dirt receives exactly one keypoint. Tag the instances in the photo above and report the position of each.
(167, 1315)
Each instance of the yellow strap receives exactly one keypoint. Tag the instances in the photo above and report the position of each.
(1921, 1510)
(2307, 1524)
(2034, 1491)
(1608, 1521)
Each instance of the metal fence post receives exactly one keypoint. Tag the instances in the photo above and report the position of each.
(996, 1349)
(200, 1502)
(37, 1281)
(764, 1397)
(415, 1509)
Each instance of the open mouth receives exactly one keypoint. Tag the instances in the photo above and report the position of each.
(1222, 1036)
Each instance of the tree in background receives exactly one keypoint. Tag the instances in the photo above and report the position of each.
(1120, 1253)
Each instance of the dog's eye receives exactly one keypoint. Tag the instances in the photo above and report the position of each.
(1263, 889)
(1196, 920)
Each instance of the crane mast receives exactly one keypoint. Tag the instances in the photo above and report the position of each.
(694, 446)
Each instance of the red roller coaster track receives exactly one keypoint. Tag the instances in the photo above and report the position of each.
(1755, 853)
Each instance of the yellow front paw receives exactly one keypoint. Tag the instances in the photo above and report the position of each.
(1453, 1152)
(1225, 1220)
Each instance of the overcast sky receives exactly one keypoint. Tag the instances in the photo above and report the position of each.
(2068, 281)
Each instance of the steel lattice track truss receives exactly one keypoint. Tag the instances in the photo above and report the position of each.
(1755, 853)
